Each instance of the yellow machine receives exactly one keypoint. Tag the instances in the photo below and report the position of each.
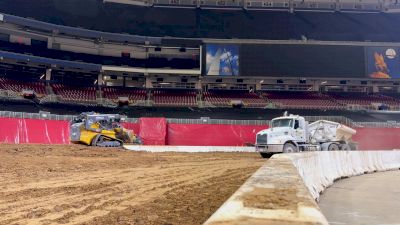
(102, 130)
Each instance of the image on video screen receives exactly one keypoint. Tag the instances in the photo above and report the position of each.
(222, 60)
(383, 62)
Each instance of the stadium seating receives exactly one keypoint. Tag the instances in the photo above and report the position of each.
(225, 98)
(363, 99)
(302, 100)
(395, 96)
(174, 98)
(75, 93)
(133, 95)
(19, 86)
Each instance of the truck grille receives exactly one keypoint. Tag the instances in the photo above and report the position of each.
(261, 139)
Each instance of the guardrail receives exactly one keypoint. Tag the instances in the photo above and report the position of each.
(43, 115)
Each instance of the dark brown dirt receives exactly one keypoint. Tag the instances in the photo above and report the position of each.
(271, 198)
(74, 184)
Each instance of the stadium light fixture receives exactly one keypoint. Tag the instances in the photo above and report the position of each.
(95, 82)
(262, 81)
(324, 82)
(41, 77)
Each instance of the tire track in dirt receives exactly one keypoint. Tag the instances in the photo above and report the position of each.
(82, 185)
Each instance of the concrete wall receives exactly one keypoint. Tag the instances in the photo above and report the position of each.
(320, 169)
(284, 190)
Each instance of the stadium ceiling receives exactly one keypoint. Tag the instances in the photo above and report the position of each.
(283, 5)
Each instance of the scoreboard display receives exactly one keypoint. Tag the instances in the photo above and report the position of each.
(302, 61)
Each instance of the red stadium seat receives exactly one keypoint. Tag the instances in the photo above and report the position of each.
(364, 99)
(18, 86)
(74, 93)
(133, 95)
(224, 98)
(174, 98)
(302, 100)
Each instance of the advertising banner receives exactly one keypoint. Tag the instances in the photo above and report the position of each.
(383, 62)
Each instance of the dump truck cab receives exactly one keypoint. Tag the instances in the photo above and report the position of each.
(285, 129)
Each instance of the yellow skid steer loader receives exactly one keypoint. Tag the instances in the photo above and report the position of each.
(104, 130)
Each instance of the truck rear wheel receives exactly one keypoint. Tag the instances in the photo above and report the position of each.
(333, 147)
(289, 148)
(345, 147)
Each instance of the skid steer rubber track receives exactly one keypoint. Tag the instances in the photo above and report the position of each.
(109, 144)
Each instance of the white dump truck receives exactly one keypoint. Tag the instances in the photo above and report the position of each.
(293, 134)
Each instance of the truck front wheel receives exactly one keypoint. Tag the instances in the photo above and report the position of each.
(289, 148)
(266, 155)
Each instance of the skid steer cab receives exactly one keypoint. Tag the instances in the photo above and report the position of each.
(104, 130)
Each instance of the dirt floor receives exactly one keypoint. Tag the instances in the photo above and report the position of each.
(59, 184)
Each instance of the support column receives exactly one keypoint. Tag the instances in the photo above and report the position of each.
(258, 85)
(316, 87)
(198, 85)
(50, 42)
(375, 89)
(100, 81)
(148, 83)
(48, 75)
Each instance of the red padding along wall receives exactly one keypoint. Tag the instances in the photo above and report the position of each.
(377, 138)
(153, 131)
(156, 131)
(20, 131)
(212, 135)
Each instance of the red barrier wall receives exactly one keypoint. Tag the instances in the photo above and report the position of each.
(157, 131)
(212, 135)
(132, 126)
(377, 138)
(153, 131)
(19, 131)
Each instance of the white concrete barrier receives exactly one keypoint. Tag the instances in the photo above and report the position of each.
(171, 148)
(284, 189)
(320, 169)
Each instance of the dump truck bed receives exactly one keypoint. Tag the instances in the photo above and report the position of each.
(325, 131)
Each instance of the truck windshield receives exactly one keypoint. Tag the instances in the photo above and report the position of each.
(282, 123)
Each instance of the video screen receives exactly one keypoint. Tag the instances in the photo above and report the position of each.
(383, 62)
(222, 60)
(299, 60)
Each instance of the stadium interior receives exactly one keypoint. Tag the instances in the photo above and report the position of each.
(156, 112)
(52, 59)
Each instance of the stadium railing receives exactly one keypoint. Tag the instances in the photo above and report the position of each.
(80, 32)
(24, 115)
(206, 120)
